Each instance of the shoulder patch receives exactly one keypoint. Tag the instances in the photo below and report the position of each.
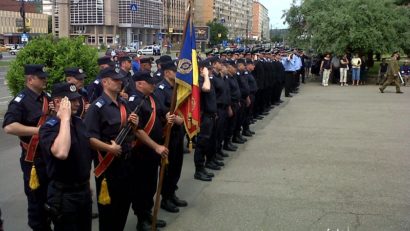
(211, 77)
(159, 74)
(48, 94)
(52, 122)
(132, 98)
(19, 97)
(238, 73)
(100, 102)
(97, 81)
(246, 73)
(162, 86)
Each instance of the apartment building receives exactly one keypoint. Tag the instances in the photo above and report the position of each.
(260, 22)
(173, 20)
(236, 15)
(109, 22)
(11, 22)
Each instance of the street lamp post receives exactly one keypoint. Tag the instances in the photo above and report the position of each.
(168, 22)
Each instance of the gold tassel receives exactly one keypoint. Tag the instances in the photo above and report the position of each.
(104, 197)
(34, 183)
(190, 146)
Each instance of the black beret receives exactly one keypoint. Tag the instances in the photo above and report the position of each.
(144, 76)
(75, 72)
(65, 89)
(35, 69)
(205, 63)
(249, 61)
(110, 73)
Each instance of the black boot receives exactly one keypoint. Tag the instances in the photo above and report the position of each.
(212, 165)
(160, 223)
(237, 140)
(230, 144)
(218, 163)
(178, 202)
(247, 133)
(144, 225)
(200, 174)
(221, 153)
(167, 205)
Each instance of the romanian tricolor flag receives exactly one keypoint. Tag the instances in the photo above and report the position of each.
(187, 102)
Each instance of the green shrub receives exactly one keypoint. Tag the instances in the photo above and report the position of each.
(56, 55)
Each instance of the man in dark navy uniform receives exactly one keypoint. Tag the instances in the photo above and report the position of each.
(148, 150)
(75, 75)
(25, 114)
(128, 86)
(170, 202)
(159, 74)
(105, 118)
(203, 155)
(68, 156)
(252, 91)
(245, 102)
(95, 89)
(235, 95)
(146, 64)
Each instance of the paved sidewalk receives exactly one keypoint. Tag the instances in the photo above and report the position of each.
(334, 158)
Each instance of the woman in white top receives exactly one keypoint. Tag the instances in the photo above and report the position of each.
(356, 62)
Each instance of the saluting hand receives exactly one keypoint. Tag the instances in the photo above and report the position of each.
(64, 111)
(115, 148)
(124, 95)
(162, 151)
(86, 106)
(205, 72)
(230, 112)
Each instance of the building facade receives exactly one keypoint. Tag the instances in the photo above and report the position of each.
(173, 20)
(109, 22)
(236, 15)
(260, 22)
(11, 22)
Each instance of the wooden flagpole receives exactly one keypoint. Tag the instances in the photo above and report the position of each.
(164, 161)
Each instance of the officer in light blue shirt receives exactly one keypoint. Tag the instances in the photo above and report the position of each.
(291, 65)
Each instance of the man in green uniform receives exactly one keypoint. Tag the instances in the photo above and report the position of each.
(393, 73)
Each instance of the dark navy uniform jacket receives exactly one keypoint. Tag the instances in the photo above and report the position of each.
(76, 168)
(128, 83)
(234, 89)
(164, 95)
(208, 99)
(253, 87)
(223, 97)
(144, 114)
(243, 84)
(95, 89)
(84, 99)
(26, 109)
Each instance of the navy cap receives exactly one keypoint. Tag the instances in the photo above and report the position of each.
(144, 76)
(35, 69)
(146, 60)
(214, 60)
(110, 73)
(124, 58)
(231, 62)
(240, 61)
(75, 72)
(205, 63)
(169, 66)
(249, 61)
(105, 60)
(163, 59)
(65, 89)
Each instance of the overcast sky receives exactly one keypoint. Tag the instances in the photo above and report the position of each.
(275, 8)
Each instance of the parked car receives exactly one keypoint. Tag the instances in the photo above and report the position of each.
(10, 46)
(14, 51)
(150, 50)
(3, 48)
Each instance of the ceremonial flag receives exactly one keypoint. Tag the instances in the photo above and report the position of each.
(187, 102)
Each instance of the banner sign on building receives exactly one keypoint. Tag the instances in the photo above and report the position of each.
(202, 33)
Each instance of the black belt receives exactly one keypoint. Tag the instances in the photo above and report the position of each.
(292, 72)
(212, 115)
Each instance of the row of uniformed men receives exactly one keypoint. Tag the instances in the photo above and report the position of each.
(128, 172)
(60, 134)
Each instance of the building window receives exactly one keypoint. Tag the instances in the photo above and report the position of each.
(91, 39)
(100, 39)
(109, 40)
(87, 12)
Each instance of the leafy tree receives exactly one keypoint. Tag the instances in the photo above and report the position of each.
(56, 55)
(355, 25)
(215, 29)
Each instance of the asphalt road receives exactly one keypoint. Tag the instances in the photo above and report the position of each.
(330, 158)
